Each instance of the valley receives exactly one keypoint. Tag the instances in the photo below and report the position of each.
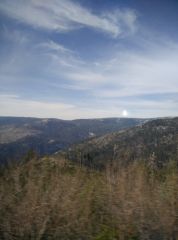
(47, 136)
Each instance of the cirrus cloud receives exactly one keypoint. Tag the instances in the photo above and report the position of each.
(67, 15)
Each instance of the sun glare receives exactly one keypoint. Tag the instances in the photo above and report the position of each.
(124, 113)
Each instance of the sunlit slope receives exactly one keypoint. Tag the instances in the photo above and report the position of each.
(155, 142)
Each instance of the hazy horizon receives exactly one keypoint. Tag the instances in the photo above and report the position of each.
(96, 118)
(86, 59)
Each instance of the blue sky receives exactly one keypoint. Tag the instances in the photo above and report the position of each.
(87, 59)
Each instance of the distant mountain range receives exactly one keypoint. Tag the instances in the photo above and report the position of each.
(18, 135)
(155, 142)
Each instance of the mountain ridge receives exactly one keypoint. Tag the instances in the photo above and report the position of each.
(155, 141)
(46, 136)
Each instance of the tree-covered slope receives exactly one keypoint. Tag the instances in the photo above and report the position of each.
(46, 136)
(51, 198)
(155, 142)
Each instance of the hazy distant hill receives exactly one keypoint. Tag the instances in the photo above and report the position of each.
(155, 142)
(46, 136)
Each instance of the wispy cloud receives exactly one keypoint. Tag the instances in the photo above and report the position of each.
(67, 15)
(150, 71)
(67, 84)
(137, 73)
(54, 47)
(113, 81)
(13, 105)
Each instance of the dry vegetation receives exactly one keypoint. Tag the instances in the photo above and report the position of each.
(53, 199)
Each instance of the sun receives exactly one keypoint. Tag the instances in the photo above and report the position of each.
(124, 113)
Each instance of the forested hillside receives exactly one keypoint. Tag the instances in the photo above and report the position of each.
(52, 198)
(46, 136)
(119, 186)
(155, 142)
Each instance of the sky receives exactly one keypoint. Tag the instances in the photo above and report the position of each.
(73, 59)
